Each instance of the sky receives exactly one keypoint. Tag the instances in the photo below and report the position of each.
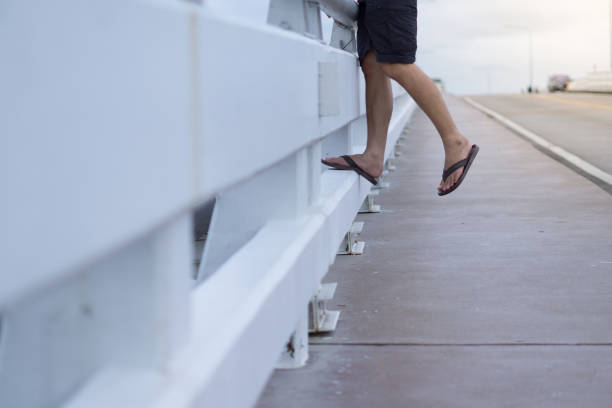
(467, 45)
(466, 42)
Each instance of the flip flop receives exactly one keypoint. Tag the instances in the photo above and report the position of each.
(359, 170)
(465, 163)
(336, 166)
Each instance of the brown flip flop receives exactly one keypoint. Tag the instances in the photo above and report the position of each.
(359, 170)
(466, 163)
(336, 166)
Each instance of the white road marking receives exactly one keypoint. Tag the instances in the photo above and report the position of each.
(583, 165)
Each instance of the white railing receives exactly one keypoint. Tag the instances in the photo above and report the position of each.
(119, 119)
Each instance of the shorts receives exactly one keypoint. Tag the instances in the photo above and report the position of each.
(389, 27)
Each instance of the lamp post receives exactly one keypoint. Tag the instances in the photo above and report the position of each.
(530, 32)
(610, 35)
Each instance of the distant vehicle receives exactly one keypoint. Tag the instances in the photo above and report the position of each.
(558, 83)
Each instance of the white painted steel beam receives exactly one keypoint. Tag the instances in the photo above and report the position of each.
(122, 117)
(95, 117)
(195, 114)
(260, 290)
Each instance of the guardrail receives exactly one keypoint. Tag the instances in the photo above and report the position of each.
(120, 120)
(344, 11)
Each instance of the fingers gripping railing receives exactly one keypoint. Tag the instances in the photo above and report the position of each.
(304, 16)
(343, 11)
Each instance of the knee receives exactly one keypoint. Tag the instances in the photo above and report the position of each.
(370, 68)
(394, 70)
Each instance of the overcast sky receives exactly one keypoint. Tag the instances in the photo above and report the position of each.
(466, 44)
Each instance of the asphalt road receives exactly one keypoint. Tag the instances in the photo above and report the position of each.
(580, 123)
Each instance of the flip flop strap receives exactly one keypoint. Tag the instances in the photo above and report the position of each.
(453, 168)
(351, 162)
(359, 170)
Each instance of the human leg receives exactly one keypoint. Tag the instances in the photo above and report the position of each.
(379, 106)
(426, 94)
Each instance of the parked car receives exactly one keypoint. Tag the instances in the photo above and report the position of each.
(558, 82)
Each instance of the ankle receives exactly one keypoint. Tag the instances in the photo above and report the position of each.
(455, 141)
(373, 156)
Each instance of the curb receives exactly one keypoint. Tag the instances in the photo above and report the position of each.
(550, 148)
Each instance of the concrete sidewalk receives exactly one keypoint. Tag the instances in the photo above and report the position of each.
(498, 295)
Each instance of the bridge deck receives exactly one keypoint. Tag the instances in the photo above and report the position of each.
(498, 294)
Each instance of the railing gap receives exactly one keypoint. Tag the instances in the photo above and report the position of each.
(201, 223)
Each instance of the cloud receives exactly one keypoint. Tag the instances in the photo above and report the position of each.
(465, 40)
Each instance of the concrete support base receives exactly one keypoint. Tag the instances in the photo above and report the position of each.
(321, 320)
(350, 245)
(368, 205)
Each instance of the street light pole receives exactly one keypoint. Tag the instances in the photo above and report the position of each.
(610, 35)
(531, 58)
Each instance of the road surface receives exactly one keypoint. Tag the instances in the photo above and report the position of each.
(580, 123)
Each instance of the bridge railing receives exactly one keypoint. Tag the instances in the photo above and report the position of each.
(120, 120)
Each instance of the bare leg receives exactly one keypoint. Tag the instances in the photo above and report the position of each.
(428, 97)
(379, 106)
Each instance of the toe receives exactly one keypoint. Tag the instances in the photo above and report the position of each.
(452, 180)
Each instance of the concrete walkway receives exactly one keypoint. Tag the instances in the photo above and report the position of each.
(498, 295)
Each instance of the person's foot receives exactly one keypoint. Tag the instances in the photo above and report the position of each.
(371, 165)
(456, 151)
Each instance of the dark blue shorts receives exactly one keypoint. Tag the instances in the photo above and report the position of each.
(389, 27)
